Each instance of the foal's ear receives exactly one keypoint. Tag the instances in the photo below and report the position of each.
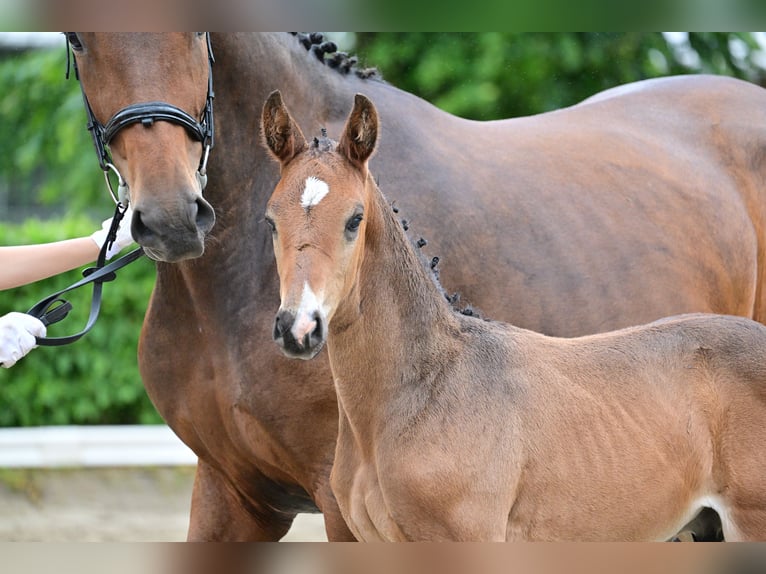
(281, 134)
(361, 132)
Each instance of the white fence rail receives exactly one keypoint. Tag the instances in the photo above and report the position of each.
(92, 446)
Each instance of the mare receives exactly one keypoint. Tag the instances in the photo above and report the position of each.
(456, 428)
(638, 204)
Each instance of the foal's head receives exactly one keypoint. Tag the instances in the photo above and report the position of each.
(317, 215)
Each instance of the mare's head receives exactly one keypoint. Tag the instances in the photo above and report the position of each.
(317, 215)
(148, 96)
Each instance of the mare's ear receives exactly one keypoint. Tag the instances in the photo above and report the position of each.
(281, 134)
(360, 133)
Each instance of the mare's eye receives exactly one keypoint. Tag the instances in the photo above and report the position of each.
(270, 223)
(74, 40)
(352, 225)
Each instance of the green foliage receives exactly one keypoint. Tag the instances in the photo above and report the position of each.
(95, 380)
(494, 75)
(46, 154)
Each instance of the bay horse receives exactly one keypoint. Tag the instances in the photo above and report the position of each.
(639, 204)
(456, 428)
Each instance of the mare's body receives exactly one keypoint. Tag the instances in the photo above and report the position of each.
(611, 213)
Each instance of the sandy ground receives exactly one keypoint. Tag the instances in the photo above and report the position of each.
(107, 505)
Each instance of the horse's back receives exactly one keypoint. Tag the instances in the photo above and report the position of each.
(732, 349)
(706, 86)
(631, 206)
(708, 360)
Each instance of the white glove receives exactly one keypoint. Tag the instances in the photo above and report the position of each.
(124, 238)
(17, 336)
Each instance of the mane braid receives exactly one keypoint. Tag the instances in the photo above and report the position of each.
(431, 266)
(327, 53)
(323, 143)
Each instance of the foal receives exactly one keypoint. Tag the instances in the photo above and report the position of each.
(456, 428)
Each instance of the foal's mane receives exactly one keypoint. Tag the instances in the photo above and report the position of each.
(327, 53)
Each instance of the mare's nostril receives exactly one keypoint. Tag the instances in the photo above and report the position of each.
(139, 230)
(204, 216)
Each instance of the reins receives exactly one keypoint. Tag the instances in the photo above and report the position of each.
(53, 308)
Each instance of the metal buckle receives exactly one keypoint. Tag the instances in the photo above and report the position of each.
(121, 197)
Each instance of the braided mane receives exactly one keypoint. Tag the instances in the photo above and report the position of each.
(327, 53)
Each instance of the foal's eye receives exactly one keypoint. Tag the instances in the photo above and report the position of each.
(352, 225)
(270, 223)
(74, 40)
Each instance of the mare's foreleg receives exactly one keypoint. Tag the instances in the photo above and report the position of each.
(219, 513)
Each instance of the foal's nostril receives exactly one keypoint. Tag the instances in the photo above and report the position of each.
(279, 330)
(282, 325)
(317, 335)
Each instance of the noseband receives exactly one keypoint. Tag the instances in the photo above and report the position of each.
(146, 113)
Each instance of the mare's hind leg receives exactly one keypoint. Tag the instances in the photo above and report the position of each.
(335, 525)
(336, 528)
(218, 513)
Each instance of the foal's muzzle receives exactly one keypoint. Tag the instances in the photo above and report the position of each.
(301, 339)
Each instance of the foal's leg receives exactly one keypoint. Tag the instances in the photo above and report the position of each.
(744, 460)
(746, 525)
(218, 513)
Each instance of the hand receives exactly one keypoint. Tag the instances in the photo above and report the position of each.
(124, 237)
(17, 336)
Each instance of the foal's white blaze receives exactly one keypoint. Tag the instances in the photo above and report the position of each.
(309, 306)
(314, 192)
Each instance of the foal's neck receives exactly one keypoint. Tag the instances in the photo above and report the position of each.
(397, 324)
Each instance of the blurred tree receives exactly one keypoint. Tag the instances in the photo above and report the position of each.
(96, 380)
(46, 154)
(494, 75)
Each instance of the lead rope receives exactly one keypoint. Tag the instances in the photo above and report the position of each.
(53, 308)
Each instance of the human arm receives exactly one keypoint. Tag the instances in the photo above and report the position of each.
(22, 264)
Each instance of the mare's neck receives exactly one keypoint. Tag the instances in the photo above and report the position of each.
(248, 67)
(394, 330)
(238, 252)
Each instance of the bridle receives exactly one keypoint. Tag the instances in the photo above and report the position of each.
(146, 113)
(53, 308)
